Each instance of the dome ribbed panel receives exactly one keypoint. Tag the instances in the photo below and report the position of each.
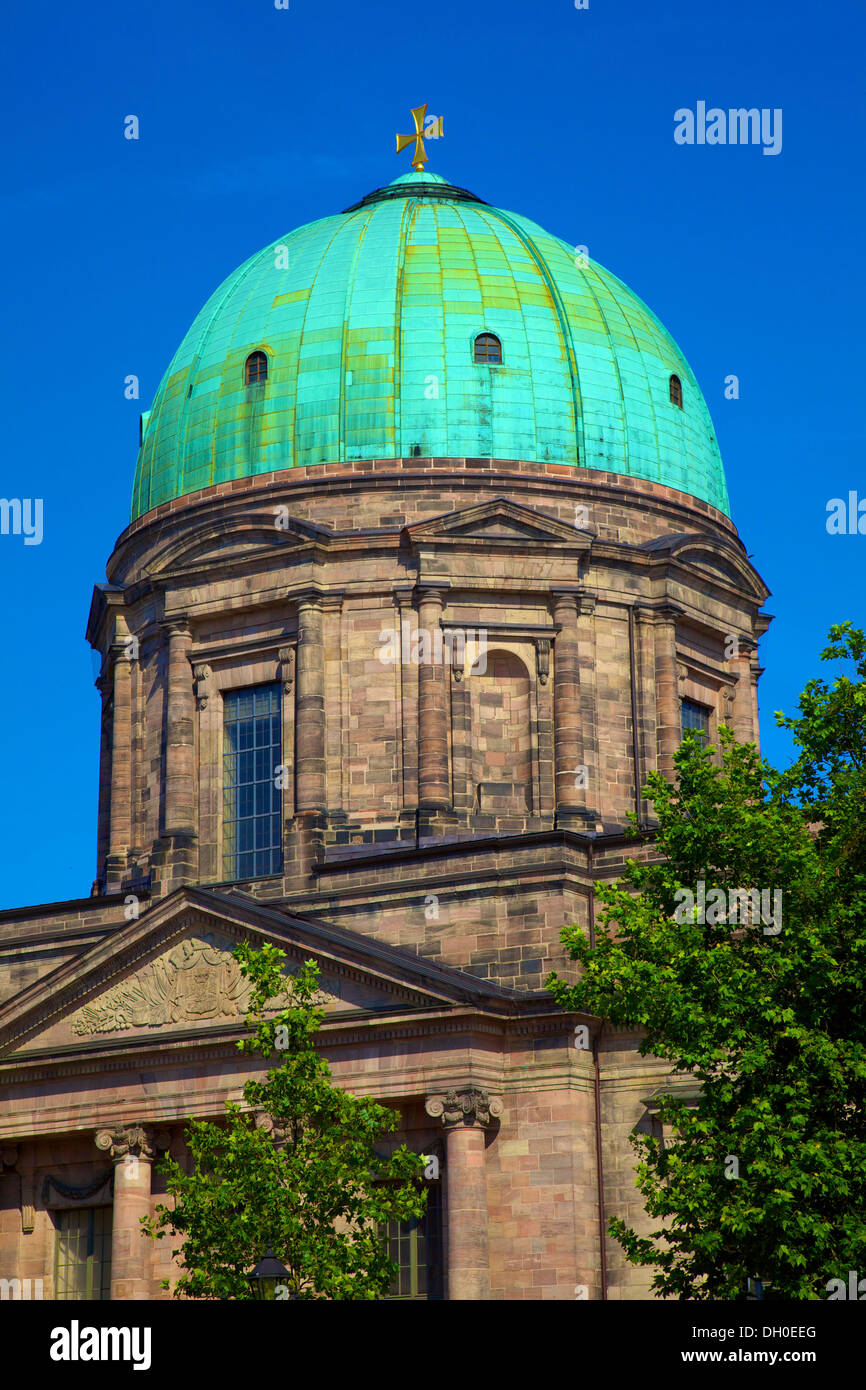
(369, 332)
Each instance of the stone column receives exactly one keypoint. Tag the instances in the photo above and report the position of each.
(668, 715)
(434, 782)
(407, 712)
(569, 768)
(132, 1148)
(179, 817)
(103, 833)
(756, 671)
(646, 698)
(287, 657)
(465, 1115)
(545, 770)
(743, 715)
(310, 707)
(587, 656)
(575, 770)
(120, 809)
(336, 734)
(463, 793)
(305, 836)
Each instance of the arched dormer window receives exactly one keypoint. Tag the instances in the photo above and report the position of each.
(256, 368)
(676, 390)
(488, 349)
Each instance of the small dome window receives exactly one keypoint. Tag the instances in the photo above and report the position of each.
(488, 349)
(676, 390)
(256, 368)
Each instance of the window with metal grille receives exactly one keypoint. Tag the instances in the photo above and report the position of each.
(416, 1248)
(252, 749)
(488, 349)
(82, 1253)
(256, 368)
(676, 390)
(695, 718)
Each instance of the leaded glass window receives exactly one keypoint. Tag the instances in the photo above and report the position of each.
(488, 349)
(696, 719)
(252, 758)
(415, 1246)
(256, 369)
(82, 1253)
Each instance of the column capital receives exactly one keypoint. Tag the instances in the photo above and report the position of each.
(432, 590)
(469, 1106)
(332, 602)
(137, 1141)
(573, 597)
(175, 627)
(310, 597)
(404, 595)
(566, 596)
(668, 612)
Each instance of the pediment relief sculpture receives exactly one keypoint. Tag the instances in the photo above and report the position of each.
(197, 981)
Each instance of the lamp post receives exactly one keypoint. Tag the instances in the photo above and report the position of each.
(268, 1276)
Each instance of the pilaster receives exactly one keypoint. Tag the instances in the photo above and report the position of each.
(669, 717)
(434, 780)
(120, 809)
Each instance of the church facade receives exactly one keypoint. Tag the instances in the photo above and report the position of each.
(429, 564)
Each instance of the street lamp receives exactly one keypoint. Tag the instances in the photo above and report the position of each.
(267, 1277)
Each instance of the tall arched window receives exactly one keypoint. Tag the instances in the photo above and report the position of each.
(676, 388)
(256, 368)
(488, 349)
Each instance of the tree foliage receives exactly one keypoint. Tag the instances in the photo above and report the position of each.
(772, 1025)
(314, 1190)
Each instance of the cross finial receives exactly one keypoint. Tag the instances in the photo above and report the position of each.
(419, 158)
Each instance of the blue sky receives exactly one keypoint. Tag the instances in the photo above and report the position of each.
(255, 120)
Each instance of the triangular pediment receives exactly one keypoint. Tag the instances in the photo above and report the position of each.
(499, 521)
(172, 975)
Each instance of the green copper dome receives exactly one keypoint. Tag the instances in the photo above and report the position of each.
(369, 318)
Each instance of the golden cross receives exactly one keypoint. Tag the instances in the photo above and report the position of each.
(419, 158)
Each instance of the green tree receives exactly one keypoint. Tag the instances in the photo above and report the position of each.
(318, 1195)
(770, 1023)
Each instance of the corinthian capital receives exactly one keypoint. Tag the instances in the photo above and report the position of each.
(468, 1107)
(137, 1141)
